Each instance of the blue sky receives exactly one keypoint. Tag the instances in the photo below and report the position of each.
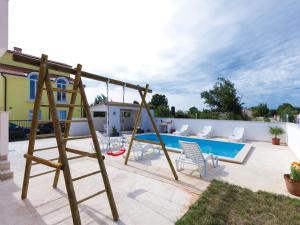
(178, 47)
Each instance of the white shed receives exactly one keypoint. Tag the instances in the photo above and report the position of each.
(121, 116)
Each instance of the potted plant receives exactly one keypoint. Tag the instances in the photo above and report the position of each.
(114, 132)
(292, 180)
(276, 131)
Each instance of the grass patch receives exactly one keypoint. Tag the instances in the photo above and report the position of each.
(223, 203)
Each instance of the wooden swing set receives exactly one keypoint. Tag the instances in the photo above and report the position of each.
(62, 162)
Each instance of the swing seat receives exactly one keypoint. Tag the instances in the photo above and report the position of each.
(117, 153)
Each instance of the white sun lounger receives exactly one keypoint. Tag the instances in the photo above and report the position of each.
(238, 134)
(184, 130)
(192, 154)
(206, 132)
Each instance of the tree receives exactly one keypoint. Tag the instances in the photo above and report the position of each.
(162, 111)
(181, 114)
(159, 100)
(287, 109)
(223, 97)
(193, 112)
(100, 99)
(261, 110)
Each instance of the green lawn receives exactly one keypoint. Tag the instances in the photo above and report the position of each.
(223, 203)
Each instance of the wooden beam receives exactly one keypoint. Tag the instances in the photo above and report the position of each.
(70, 114)
(158, 135)
(62, 153)
(35, 61)
(136, 122)
(43, 161)
(97, 149)
(32, 136)
(53, 159)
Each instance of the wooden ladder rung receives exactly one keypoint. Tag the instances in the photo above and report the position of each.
(78, 137)
(40, 174)
(63, 105)
(44, 149)
(43, 161)
(63, 90)
(73, 121)
(76, 157)
(91, 196)
(61, 121)
(39, 136)
(53, 159)
(86, 175)
(83, 153)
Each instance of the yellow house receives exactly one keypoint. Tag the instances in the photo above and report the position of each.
(18, 83)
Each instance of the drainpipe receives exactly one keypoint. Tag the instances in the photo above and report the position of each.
(5, 91)
(81, 105)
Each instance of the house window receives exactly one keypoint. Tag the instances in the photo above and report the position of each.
(30, 115)
(99, 114)
(33, 81)
(126, 114)
(61, 83)
(62, 114)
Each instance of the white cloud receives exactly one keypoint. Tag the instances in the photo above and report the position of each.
(179, 47)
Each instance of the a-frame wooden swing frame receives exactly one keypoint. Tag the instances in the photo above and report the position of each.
(160, 142)
(62, 163)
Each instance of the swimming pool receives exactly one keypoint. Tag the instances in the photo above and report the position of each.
(220, 148)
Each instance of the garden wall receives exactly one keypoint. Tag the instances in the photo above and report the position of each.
(293, 131)
(256, 131)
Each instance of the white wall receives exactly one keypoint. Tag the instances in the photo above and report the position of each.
(3, 26)
(3, 133)
(258, 131)
(293, 131)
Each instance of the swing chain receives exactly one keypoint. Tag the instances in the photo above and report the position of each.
(107, 120)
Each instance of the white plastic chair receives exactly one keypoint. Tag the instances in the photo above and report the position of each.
(238, 134)
(206, 132)
(192, 154)
(138, 148)
(183, 131)
(104, 141)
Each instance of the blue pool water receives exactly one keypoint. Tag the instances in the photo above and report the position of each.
(219, 148)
